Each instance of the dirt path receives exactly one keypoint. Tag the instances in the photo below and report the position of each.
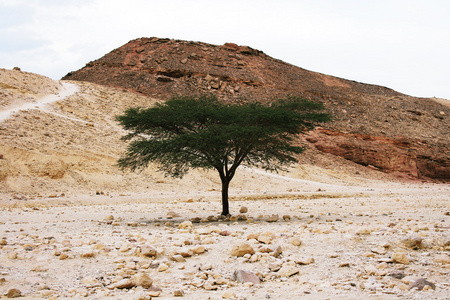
(66, 90)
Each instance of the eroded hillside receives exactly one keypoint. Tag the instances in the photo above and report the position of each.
(72, 145)
(376, 126)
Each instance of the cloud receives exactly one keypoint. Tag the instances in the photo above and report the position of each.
(400, 44)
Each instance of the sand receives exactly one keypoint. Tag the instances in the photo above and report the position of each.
(348, 237)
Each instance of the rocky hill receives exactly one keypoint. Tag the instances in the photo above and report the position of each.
(374, 126)
(70, 145)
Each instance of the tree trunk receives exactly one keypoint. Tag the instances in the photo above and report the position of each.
(225, 185)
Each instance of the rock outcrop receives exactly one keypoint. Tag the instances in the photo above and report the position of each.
(374, 125)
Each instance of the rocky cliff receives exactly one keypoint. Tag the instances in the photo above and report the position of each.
(374, 126)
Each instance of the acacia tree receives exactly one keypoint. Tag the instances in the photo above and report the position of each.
(204, 132)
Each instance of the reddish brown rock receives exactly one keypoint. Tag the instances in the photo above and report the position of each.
(407, 156)
(243, 276)
(373, 126)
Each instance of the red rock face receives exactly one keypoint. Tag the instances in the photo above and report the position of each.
(373, 125)
(409, 157)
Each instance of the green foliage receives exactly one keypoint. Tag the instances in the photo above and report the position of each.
(204, 132)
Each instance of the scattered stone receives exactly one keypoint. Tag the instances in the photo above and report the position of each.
(186, 225)
(400, 258)
(273, 218)
(265, 237)
(305, 260)
(228, 295)
(409, 279)
(233, 218)
(254, 258)
(142, 279)
(163, 267)
(442, 259)
(286, 218)
(212, 218)
(199, 249)
(89, 282)
(193, 220)
(87, 254)
(210, 285)
(148, 251)
(178, 258)
(413, 241)
(344, 264)
(275, 266)
(206, 267)
(178, 293)
(288, 269)
(122, 284)
(13, 293)
(397, 274)
(154, 291)
(242, 218)
(225, 233)
(172, 214)
(242, 249)
(109, 218)
(296, 242)
(421, 283)
(364, 231)
(186, 253)
(252, 236)
(379, 250)
(243, 210)
(243, 276)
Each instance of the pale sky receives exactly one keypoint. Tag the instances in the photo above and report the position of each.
(400, 44)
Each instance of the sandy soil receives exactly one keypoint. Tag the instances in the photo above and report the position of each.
(79, 246)
(73, 226)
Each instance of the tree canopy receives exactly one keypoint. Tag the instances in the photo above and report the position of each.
(205, 132)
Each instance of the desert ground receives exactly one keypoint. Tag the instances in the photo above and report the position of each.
(328, 242)
(72, 226)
